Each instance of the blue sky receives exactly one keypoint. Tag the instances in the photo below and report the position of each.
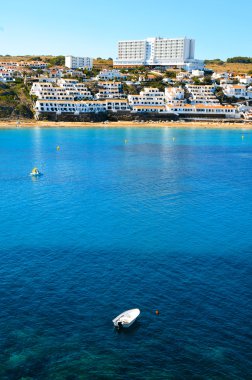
(221, 28)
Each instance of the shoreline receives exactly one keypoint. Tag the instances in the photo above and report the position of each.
(129, 124)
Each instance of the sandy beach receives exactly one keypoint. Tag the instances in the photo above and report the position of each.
(131, 124)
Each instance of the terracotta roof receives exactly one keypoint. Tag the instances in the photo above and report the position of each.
(238, 86)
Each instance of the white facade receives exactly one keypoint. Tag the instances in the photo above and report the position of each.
(238, 91)
(78, 62)
(66, 89)
(77, 107)
(174, 94)
(109, 75)
(6, 77)
(246, 79)
(158, 52)
(153, 109)
(112, 90)
(223, 75)
(148, 97)
(203, 109)
(202, 94)
(197, 73)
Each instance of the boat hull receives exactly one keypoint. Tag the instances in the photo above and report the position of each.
(126, 319)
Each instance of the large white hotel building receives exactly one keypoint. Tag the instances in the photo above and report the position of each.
(78, 62)
(157, 51)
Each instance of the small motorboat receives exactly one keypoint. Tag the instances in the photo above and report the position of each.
(126, 319)
(35, 172)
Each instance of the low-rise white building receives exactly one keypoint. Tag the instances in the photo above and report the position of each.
(78, 107)
(224, 81)
(64, 90)
(204, 109)
(245, 79)
(78, 62)
(174, 94)
(109, 89)
(197, 73)
(149, 96)
(202, 94)
(153, 109)
(236, 90)
(110, 75)
(6, 76)
(223, 75)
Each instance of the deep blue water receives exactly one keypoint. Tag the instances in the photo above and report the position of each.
(154, 223)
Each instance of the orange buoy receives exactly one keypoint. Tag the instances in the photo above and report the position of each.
(157, 312)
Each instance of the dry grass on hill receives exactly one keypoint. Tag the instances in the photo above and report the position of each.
(237, 68)
(23, 58)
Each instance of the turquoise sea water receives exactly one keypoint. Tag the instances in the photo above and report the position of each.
(161, 221)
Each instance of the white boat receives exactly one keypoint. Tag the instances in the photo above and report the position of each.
(126, 318)
(35, 172)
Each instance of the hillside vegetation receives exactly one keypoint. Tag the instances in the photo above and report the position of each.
(237, 68)
(15, 101)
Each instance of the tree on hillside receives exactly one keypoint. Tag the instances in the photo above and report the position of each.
(196, 81)
(37, 58)
(56, 61)
(207, 80)
(216, 61)
(170, 74)
(239, 60)
(129, 89)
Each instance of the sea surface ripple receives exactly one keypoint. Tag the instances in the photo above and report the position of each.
(158, 219)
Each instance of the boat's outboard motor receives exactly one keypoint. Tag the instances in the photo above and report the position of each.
(119, 325)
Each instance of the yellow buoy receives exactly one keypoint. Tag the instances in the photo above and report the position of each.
(58, 147)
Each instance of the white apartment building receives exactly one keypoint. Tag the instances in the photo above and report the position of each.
(78, 107)
(49, 91)
(202, 94)
(38, 87)
(62, 91)
(26, 64)
(6, 77)
(197, 73)
(157, 51)
(112, 90)
(148, 97)
(245, 79)
(224, 81)
(174, 94)
(223, 75)
(4, 64)
(78, 62)
(67, 83)
(204, 109)
(110, 75)
(239, 91)
(154, 109)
